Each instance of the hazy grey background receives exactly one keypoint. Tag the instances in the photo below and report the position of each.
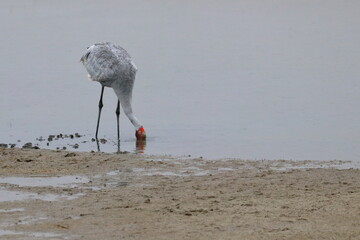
(248, 79)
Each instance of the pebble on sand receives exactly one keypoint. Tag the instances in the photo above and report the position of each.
(27, 145)
(70, 154)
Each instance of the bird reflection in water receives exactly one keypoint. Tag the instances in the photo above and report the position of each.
(140, 146)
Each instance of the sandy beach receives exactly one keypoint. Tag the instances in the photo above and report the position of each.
(129, 196)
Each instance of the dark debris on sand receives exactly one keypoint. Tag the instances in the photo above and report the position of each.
(53, 137)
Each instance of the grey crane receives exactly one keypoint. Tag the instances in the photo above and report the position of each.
(111, 66)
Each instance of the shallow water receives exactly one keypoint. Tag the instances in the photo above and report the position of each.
(10, 196)
(32, 234)
(40, 181)
(246, 79)
(69, 181)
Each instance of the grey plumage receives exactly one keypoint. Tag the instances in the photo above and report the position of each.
(112, 66)
(107, 62)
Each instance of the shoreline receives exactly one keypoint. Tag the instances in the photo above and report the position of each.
(133, 196)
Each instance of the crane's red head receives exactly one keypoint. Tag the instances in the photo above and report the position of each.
(140, 134)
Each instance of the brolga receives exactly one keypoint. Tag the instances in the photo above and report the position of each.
(111, 66)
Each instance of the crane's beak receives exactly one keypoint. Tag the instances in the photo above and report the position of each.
(140, 134)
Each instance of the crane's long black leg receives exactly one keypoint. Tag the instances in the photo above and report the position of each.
(100, 107)
(118, 123)
(98, 145)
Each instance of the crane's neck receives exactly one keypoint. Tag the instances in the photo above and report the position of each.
(125, 101)
(131, 117)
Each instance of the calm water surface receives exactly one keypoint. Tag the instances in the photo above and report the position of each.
(245, 79)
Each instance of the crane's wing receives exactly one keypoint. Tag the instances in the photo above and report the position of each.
(100, 63)
(123, 57)
(105, 61)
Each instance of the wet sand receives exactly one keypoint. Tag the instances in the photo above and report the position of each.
(130, 196)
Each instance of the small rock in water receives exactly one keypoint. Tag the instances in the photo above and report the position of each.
(40, 139)
(3, 145)
(93, 140)
(122, 152)
(27, 145)
(64, 148)
(12, 145)
(75, 145)
(103, 140)
(77, 135)
(71, 136)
